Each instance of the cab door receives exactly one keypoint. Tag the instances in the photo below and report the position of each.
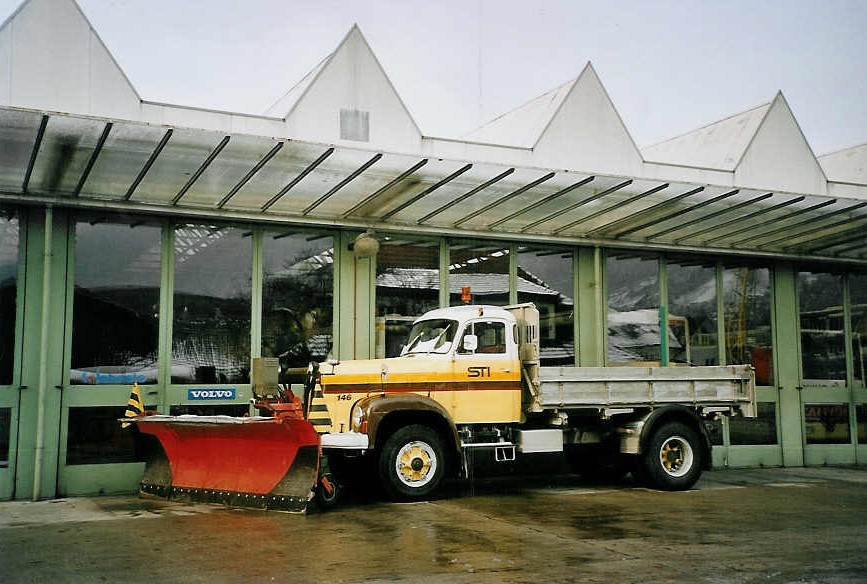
(491, 371)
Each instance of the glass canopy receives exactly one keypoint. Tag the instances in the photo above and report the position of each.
(89, 162)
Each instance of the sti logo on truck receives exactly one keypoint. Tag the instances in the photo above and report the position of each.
(478, 371)
(210, 394)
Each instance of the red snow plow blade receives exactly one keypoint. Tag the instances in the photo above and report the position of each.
(260, 462)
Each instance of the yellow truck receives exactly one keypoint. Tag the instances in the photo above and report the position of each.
(469, 378)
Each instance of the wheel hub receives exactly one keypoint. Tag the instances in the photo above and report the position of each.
(676, 456)
(416, 464)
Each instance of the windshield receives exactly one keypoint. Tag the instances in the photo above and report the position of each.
(431, 336)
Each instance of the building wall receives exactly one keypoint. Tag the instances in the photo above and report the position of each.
(64, 439)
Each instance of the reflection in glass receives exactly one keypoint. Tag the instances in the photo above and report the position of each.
(823, 350)
(431, 336)
(861, 417)
(633, 310)
(96, 437)
(858, 299)
(297, 297)
(827, 423)
(759, 430)
(692, 314)
(545, 279)
(116, 303)
(8, 293)
(747, 318)
(478, 273)
(5, 435)
(211, 321)
(407, 286)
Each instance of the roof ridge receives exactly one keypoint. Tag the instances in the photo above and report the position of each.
(708, 125)
(841, 150)
(515, 110)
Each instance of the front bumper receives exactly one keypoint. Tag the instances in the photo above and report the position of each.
(345, 441)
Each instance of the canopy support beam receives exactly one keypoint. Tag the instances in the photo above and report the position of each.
(202, 168)
(574, 206)
(310, 168)
(513, 194)
(467, 195)
(250, 174)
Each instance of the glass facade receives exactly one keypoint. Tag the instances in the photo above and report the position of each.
(8, 293)
(5, 435)
(759, 430)
(116, 302)
(123, 285)
(827, 423)
(211, 313)
(407, 286)
(747, 318)
(297, 297)
(545, 279)
(478, 274)
(861, 420)
(858, 303)
(633, 310)
(96, 437)
(692, 313)
(823, 346)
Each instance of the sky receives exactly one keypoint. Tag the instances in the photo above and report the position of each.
(669, 67)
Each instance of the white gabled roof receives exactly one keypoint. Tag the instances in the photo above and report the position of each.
(719, 145)
(351, 78)
(848, 165)
(573, 126)
(764, 147)
(53, 40)
(523, 126)
(286, 104)
(778, 157)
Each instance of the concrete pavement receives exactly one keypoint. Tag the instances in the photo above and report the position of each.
(736, 526)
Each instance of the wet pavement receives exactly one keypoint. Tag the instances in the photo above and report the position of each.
(735, 526)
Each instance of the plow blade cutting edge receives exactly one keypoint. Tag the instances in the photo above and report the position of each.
(259, 462)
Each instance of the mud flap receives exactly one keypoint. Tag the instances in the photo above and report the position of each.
(262, 463)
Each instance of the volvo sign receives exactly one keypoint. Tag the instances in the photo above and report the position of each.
(211, 394)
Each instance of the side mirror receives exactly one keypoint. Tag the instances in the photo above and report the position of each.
(470, 343)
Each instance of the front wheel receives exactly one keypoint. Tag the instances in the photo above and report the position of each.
(412, 463)
(672, 460)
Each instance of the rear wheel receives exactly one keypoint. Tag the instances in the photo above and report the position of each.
(672, 460)
(412, 463)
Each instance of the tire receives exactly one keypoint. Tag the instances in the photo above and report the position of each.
(672, 460)
(412, 463)
(327, 492)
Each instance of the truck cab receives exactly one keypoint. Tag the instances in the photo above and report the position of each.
(460, 366)
(463, 359)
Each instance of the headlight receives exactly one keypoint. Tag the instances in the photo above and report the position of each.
(356, 418)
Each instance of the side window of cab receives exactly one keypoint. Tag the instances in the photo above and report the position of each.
(490, 338)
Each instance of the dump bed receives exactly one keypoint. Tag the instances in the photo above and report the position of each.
(710, 388)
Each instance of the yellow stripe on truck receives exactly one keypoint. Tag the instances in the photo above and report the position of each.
(472, 391)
